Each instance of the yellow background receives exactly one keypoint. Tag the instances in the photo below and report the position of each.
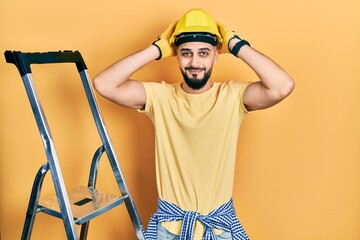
(298, 172)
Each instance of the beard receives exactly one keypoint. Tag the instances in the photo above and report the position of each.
(194, 82)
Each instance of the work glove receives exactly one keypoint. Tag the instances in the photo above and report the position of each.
(226, 35)
(163, 42)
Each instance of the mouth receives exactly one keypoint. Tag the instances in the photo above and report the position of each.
(194, 70)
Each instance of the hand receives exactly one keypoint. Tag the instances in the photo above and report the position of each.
(163, 43)
(226, 35)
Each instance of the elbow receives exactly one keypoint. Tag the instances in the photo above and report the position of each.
(287, 87)
(99, 85)
(96, 83)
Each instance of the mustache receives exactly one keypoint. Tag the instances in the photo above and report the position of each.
(195, 68)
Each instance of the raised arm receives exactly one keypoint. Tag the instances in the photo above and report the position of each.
(114, 82)
(274, 85)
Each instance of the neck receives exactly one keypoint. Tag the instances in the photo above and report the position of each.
(187, 89)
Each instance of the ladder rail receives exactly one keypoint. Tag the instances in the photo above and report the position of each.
(109, 149)
(52, 157)
(23, 61)
(34, 202)
(94, 169)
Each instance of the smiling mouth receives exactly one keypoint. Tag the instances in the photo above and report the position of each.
(194, 71)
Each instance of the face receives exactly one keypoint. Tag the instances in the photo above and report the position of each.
(196, 60)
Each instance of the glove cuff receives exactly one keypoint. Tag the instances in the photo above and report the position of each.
(235, 50)
(233, 37)
(160, 53)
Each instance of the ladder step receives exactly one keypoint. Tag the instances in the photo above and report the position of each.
(86, 203)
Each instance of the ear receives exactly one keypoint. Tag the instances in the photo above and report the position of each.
(216, 55)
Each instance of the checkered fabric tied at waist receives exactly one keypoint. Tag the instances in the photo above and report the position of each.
(223, 218)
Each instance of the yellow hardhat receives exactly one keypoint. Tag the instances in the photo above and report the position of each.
(196, 25)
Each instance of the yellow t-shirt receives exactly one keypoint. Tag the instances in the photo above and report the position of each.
(196, 140)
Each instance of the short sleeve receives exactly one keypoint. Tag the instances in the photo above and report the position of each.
(153, 91)
(239, 89)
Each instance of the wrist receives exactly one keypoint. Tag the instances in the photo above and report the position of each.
(232, 43)
(157, 50)
(237, 45)
(154, 52)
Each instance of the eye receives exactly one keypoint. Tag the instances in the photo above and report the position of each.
(203, 53)
(186, 54)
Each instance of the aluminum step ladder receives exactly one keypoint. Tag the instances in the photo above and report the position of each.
(83, 203)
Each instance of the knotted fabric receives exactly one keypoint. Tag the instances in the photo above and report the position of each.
(223, 218)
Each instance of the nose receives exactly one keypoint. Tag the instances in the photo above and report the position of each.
(194, 62)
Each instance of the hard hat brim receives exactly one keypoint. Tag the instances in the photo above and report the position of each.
(196, 37)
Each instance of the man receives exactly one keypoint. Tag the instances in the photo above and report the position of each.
(196, 123)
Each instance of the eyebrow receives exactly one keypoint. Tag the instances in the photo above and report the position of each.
(201, 49)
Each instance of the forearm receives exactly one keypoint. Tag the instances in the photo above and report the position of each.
(114, 84)
(275, 83)
(270, 73)
(119, 72)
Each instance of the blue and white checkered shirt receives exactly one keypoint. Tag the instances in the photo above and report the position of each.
(223, 218)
